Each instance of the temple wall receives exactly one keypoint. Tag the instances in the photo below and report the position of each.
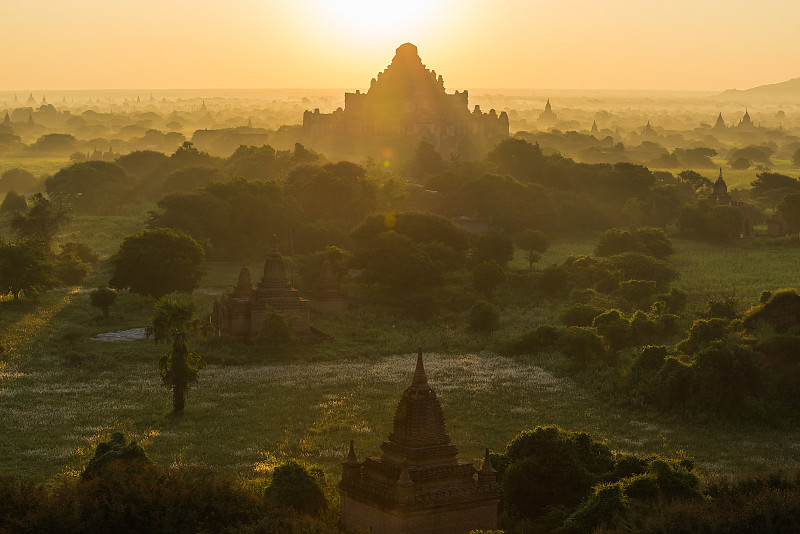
(446, 519)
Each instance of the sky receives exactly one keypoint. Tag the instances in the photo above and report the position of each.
(705, 45)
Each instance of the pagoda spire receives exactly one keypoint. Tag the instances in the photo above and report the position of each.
(351, 455)
(420, 379)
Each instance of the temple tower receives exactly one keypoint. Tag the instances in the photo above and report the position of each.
(418, 485)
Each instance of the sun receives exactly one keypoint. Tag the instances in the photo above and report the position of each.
(360, 19)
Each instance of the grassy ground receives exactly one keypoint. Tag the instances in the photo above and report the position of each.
(39, 167)
(60, 398)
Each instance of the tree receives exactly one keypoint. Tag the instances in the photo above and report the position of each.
(156, 262)
(41, 222)
(789, 211)
(796, 158)
(24, 267)
(534, 243)
(518, 158)
(297, 486)
(493, 246)
(483, 316)
(14, 202)
(486, 276)
(171, 323)
(97, 187)
(103, 298)
(17, 180)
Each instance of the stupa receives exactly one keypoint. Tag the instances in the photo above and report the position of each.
(418, 485)
(241, 313)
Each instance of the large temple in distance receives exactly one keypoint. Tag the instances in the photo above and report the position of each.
(406, 103)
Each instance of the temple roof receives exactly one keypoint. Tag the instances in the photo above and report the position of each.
(274, 271)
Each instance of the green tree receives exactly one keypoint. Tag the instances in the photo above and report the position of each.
(276, 332)
(42, 220)
(534, 243)
(103, 298)
(172, 323)
(295, 485)
(493, 246)
(486, 276)
(483, 316)
(17, 180)
(14, 202)
(789, 211)
(156, 262)
(24, 267)
(518, 158)
(796, 158)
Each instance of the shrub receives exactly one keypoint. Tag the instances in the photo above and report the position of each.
(553, 281)
(671, 385)
(606, 502)
(722, 308)
(655, 241)
(484, 316)
(637, 292)
(543, 337)
(615, 241)
(486, 276)
(724, 376)
(114, 450)
(276, 332)
(781, 310)
(643, 329)
(674, 301)
(703, 332)
(578, 315)
(70, 270)
(581, 344)
(298, 486)
(103, 298)
(613, 328)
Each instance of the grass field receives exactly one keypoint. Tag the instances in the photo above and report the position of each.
(39, 167)
(60, 397)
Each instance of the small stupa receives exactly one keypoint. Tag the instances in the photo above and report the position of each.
(329, 296)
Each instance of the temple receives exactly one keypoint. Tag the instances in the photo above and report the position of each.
(241, 313)
(406, 103)
(418, 485)
(719, 192)
(328, 297)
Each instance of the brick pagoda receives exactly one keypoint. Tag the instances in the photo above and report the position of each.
(418, 485)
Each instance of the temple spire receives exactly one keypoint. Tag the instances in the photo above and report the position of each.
(419, 378)
(351, 455)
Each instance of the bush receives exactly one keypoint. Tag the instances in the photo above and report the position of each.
(724, 377)
(643, 329)
(615, 241)
(276, 332)
(722, 308)
(578, 315)
(581, 344)
(493, 246)
(114, 450)
(606, 502)
(703, 332)
(544, 337)
(484, 316)
(613, 328)
(637, 292)
(553, 281)
(674, 301)
(297, 486)
(103, 298)
(486, 276)
(671, 386)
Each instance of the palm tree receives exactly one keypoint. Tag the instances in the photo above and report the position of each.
(172, 323)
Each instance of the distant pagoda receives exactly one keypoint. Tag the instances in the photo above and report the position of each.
(418, 485)
(405, 104)
(241, 313)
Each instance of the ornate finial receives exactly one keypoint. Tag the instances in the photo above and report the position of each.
(419, 378)
(487, 463)
(351, 455)
(720, 173)
(405, 476)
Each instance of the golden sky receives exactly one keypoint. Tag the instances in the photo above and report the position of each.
(560, 44)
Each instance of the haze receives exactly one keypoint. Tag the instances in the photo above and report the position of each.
(582, 44)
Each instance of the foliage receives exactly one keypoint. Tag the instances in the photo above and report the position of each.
(606, 502)
(702, 332)
(613, 327)
(16, 179)
(616, 241)
(156, 262)
(518, 158)
(97, 187)
(637, 292)
(295, 485)
(781, 310)
(725, 375)
(722, 308)
(486, 276)
(789, 211)
(493, 246)
(578, 314)
(103, 298)
(24, 267)
(332, 191)
(533, 341)
(534, 243)
(548, 466)
(581, 345)
(114, 450)
(483, 316)
(42, 220)
(398, 262)
(70, 270)
(13, 202)
(276, 332)
(171, 323)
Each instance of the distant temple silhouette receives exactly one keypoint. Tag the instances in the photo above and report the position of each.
(406, 103)
(418, 485)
